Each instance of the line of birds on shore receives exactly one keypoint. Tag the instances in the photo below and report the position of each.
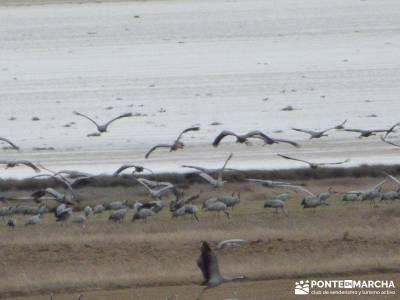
(180, 206)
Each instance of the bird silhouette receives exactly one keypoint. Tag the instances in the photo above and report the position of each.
(10, 143)
(14, 163)
(204, 173)
(256, 134)
(208, 264)
(368, 132)
(316, 134)
(389, 142)
(137, 169)
(177, 144)
(312, 164)
(103, 127)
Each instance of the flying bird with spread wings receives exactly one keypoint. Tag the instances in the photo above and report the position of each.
(340, 126)
(269, 183)
(136, 169)
(312, 164)
(208, 264)
(218, 182)
(15, 147)
(391, 129)
(57, 196)
(15, 163)
(316, 134)
(389, 142)
(66, 182)
(177, 144)
(255, 134)
(103, 127)
(158, 188)
(69, 178)
(368, 132)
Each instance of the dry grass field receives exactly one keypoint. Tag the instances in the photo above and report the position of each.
(278, 289)
(157, 257)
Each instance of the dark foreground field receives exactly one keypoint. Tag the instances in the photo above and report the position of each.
(156, 259)
(250, 290)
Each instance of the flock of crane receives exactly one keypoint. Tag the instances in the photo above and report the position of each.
(67, 198)
(180, 206)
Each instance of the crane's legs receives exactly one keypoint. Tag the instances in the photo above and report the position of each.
(284, 211)
(227, 214)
